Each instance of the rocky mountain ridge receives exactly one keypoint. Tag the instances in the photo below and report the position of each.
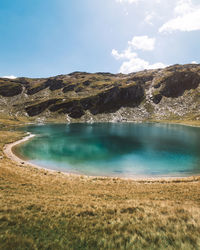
(170, 93)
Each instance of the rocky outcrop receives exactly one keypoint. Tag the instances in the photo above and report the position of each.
(55, 84)
(107, 102)
(10, 89)
(70, 87)
(72, 108)
(175, 85)
(111, 100)
(157, 98)
(37, 87)
(39, 107)
(174, 82)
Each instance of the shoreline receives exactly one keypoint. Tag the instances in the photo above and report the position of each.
(8, 151)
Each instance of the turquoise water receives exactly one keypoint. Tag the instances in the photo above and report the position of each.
(115, 149)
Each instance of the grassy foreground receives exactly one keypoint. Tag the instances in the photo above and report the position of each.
(46, 210)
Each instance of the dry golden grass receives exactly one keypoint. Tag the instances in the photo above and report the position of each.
(49, 210)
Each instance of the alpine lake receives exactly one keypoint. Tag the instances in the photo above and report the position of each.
(114, 149)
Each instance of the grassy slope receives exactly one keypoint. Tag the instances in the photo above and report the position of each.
(44, 210)
(171, 93)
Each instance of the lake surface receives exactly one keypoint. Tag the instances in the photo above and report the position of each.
(115, 149)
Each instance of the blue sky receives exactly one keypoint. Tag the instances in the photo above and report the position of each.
(41, 38)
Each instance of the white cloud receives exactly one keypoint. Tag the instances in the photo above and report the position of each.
(137, 64)
(183, 7)
(9, 77)
(187, 18)
(194, 62)
(133, 62)
(142, 42)
(127, 54)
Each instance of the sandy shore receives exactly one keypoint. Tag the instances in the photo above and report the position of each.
(9, 152)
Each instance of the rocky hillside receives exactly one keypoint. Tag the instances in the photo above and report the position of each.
(170, 93)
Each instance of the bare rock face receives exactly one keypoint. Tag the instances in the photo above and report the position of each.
(70, 87)
(115, 98)
(40, 107)
(55, 84)
(72, 108)
(10, 89)
(179, 82)
(106, 102)
(35, 89)
(176, 84)
(173, 91)
(157, 98)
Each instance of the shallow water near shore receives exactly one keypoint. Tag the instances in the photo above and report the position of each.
(115, 149)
